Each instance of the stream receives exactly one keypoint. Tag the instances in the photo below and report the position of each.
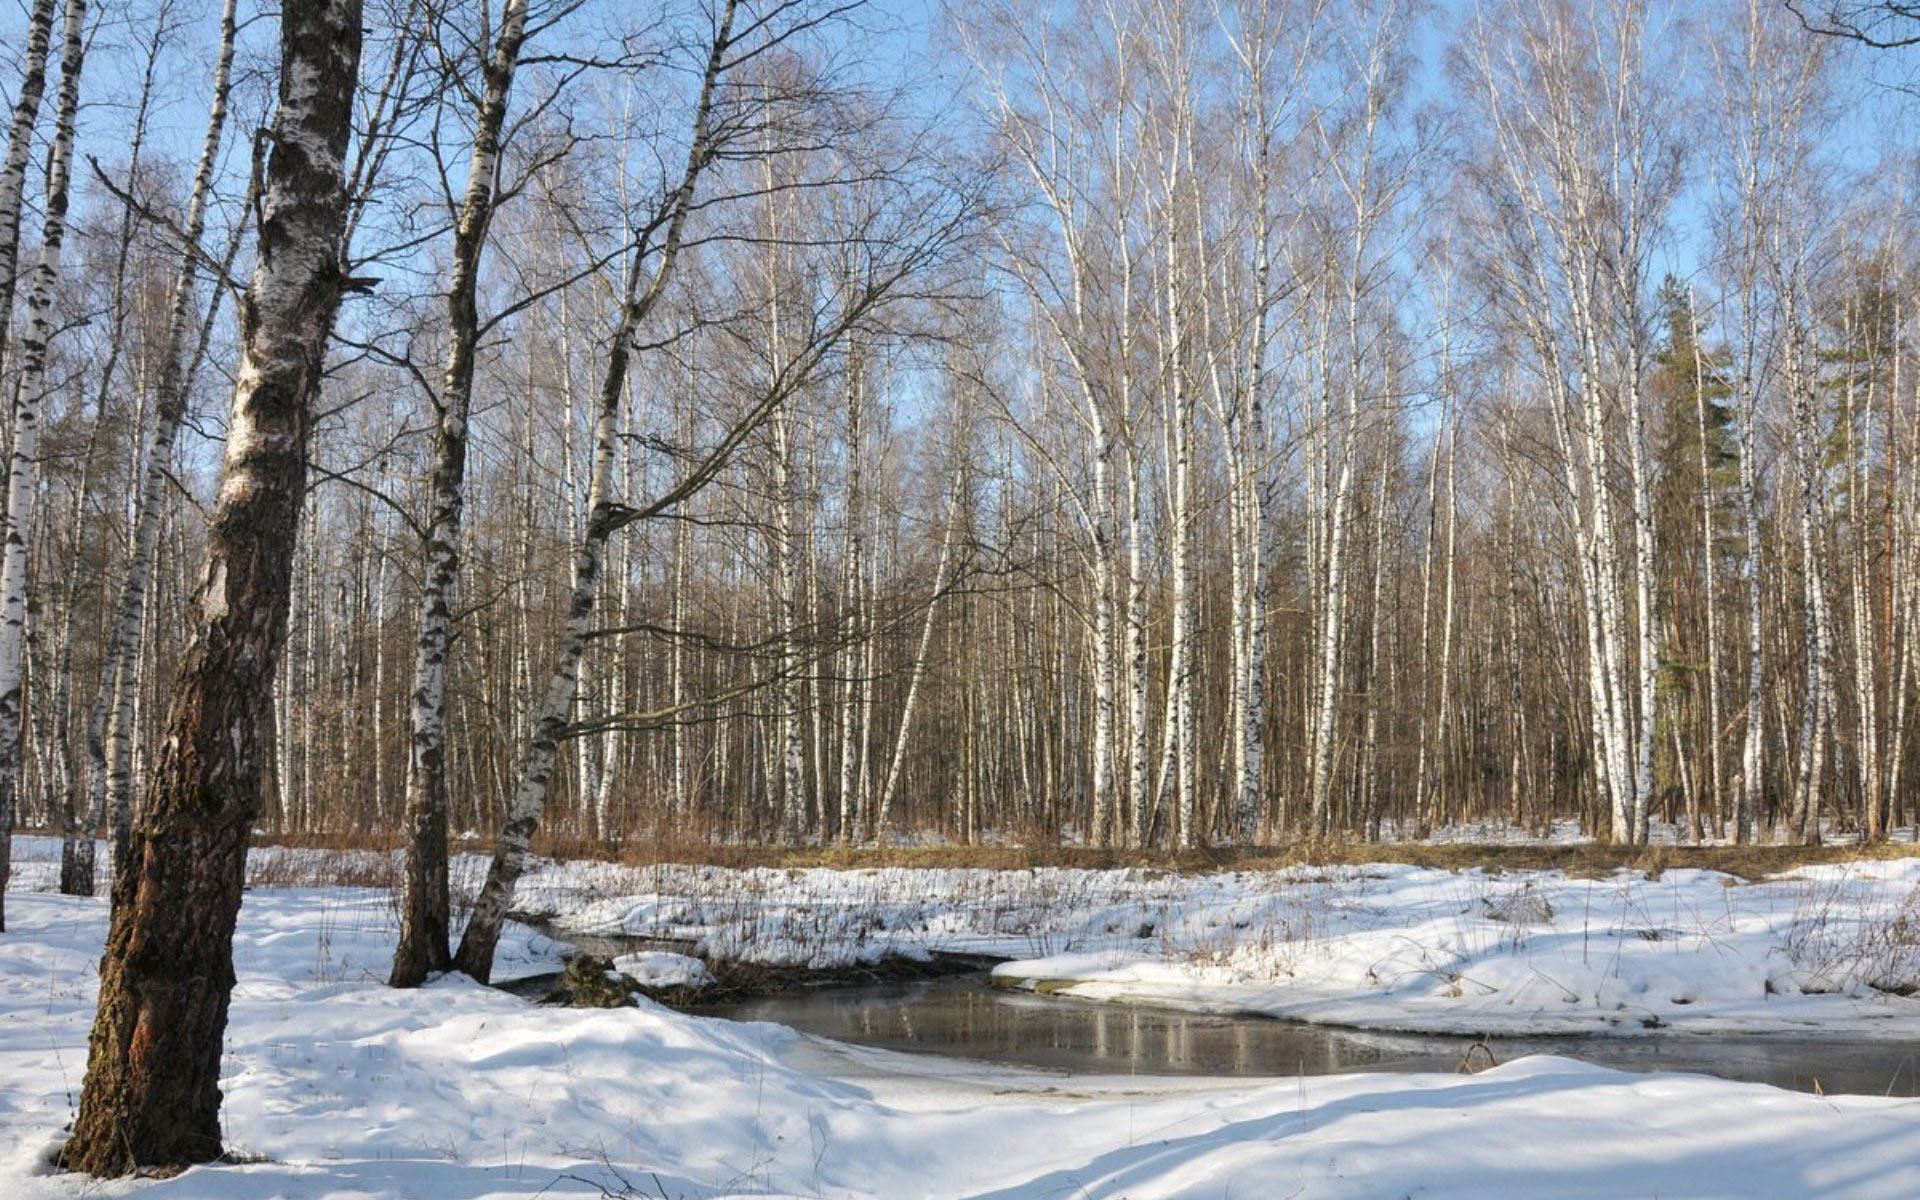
(961, 1016)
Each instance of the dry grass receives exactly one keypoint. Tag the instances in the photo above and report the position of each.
(280, 865)
(1592, 859)
(1580, 861)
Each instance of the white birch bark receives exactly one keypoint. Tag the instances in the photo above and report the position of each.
(551, 715)
(1764, 80)
(1443, 706)
(852, 570)
(29, 407)
(1905, 572)
(151, 1096)
(1139, 682)
(424, 900)
(1863, 620)
(786, 608)
(1709, 574)
(681, 771)
(1053, 145)
(612, 763)
(1753, 744)
(528, 798)
(13, 173)
(1376, 619)
(1181, 706)
(1424, 812)
(1177, 231)
(83, 812)
(917, 671)
(1592, 184)
(111, 726)
(1815, 700)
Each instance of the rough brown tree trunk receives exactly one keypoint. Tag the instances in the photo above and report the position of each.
(152, 1094)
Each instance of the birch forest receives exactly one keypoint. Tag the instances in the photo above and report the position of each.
(1107, 423)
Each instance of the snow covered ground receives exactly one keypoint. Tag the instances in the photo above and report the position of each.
(1833, 950)
(344, 1088)
(1830, 950)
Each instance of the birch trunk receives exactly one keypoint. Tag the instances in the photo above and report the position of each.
(917, 672)
(111, 726)
(1752, 748)
(1903, 568)
(1181, 708)
(1809, 772)
(1444, 705)
(682, 795)
(1370, 812)
(1139, 744)
(1710, 576)
(852, 566)
(13, 174)
(1646, 600)
(1178, 339)
(537, 760)
(1328, 638)
(786, 608)
(83, 815)
(422, 948)
(29, 406)
(551, 717)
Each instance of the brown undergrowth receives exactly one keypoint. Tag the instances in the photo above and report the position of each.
(1580, 860)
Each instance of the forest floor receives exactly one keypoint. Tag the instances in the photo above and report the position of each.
(1492, 846)
(337, 1086)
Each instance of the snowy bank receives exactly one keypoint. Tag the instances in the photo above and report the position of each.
(1829, 950)
(344, 1088)
(1825, 951)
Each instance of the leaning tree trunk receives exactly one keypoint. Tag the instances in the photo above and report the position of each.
(24, 465)
(424, 902)
(604, 517)
(537, 763)
(152, 1092)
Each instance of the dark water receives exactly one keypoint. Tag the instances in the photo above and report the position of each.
(965, 1018)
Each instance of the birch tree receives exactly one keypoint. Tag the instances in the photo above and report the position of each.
(423, 946)
(110, 732)
(730, 113)
(1765, 92)
(13, 173)
(1581, 171)
(28, 410)
(1273, 52)
(1364, 180)
(1070, 121)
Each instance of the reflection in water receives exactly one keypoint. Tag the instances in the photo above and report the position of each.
(965, 1018)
